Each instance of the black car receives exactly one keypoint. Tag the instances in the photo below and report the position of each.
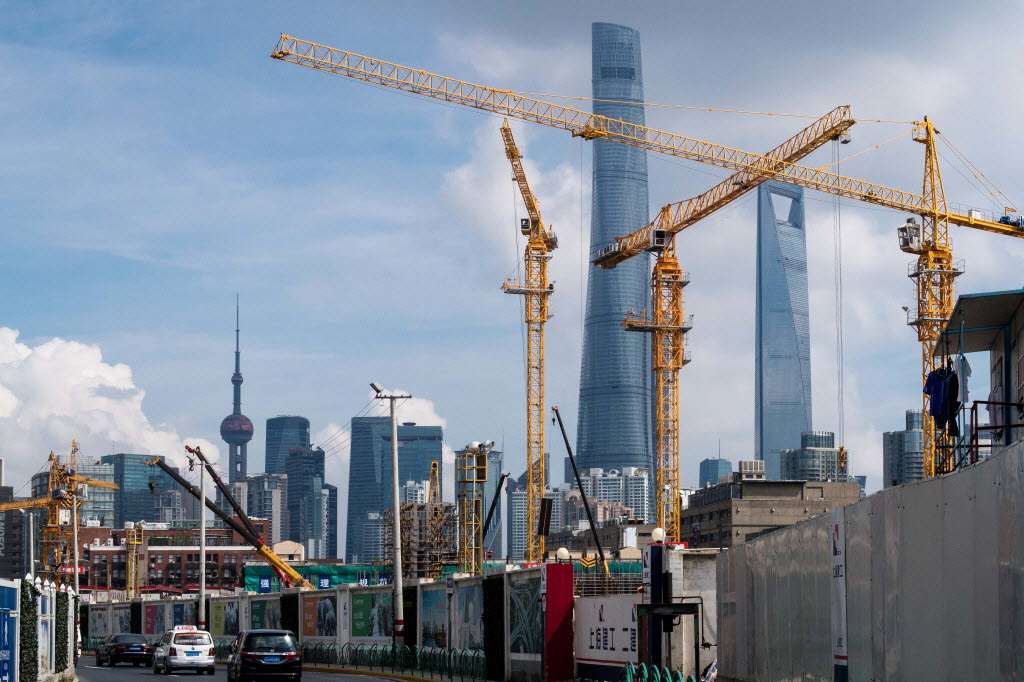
(265, 654)
(124, 648)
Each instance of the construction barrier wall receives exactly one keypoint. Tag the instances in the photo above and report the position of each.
(532, 612)
(917, 582)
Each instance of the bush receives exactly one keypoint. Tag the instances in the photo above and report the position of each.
(28, 657)
(61, 627)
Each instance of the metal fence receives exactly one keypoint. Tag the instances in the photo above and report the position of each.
(598, 584)
(428, 662)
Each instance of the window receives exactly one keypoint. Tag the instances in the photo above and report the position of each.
(192, 638)
(272, 642)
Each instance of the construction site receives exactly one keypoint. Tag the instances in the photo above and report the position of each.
(790, 566)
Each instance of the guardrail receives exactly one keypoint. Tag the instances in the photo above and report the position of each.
(427, 662)
(645, 673)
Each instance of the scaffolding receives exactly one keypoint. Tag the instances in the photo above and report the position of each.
(471, 478)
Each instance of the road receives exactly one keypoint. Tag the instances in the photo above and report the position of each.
(88, 672)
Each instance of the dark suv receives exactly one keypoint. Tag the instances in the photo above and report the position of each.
(265, 654)
(124, 648)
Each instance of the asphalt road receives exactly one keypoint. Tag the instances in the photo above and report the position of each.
(88, 672)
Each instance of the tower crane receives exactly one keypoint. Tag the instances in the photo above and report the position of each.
(929, 241)
(536, 289)
(667, 322)
(60, 499)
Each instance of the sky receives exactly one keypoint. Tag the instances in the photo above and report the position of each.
(155, 162)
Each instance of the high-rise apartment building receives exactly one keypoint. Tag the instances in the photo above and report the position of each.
(713, 469)
(517, 523)
(310, 499)
(817, 459)
(370, 489)
(782, 352)
(268, 499)
(903, 452)
(284, 433)
(237, 429)
(629, 486)
(614, 425)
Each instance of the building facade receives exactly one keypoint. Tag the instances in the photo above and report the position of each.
(13, 550)
(614, 425)
(713, 470)
(903, 452)
(782, 351)
(729, 514)
(817, 459)
(370, 488)
(284, 432)
(268, 499)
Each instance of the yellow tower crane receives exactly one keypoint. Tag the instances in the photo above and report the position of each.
(471, 477)
(935, 270)
(535, 290)
(61, 498)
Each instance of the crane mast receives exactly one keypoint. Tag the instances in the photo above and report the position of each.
(535, 290)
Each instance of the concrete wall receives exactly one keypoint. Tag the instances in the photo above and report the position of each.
(934, 586)
(693, 579)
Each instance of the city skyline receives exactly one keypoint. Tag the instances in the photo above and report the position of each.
(158, 370)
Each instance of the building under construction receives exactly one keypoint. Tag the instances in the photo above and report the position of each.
(429, 531)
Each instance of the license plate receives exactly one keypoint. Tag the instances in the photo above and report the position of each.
(191, 653)
(271, 659)
(135, 648)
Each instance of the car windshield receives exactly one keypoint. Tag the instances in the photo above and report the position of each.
(273, 642)
(130, 639)
(192, 638)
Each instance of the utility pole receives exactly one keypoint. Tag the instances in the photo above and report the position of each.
(202, 548)
(396, 506)
(27, 516)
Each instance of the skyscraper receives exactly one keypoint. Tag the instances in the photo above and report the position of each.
(614, 426)
(782, 353)
(237, 429)
(369, 478)
(284, 433)
(312, 503)
(145, 492)
(268, 499)
(903, 452)
(713, 469)
(492, 540)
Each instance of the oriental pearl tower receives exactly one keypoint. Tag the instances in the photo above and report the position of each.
(236, 429)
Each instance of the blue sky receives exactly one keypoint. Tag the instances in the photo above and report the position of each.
(155, 160)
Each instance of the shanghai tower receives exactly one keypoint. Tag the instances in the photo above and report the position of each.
(782, 355)
(614, 427)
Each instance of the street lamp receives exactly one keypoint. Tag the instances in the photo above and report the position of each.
(658, 534)
(379, 394)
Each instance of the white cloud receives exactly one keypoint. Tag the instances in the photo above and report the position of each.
(61, 389)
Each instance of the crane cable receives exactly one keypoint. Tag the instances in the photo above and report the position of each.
(990, 187)
(837, 236)
(708, 108)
